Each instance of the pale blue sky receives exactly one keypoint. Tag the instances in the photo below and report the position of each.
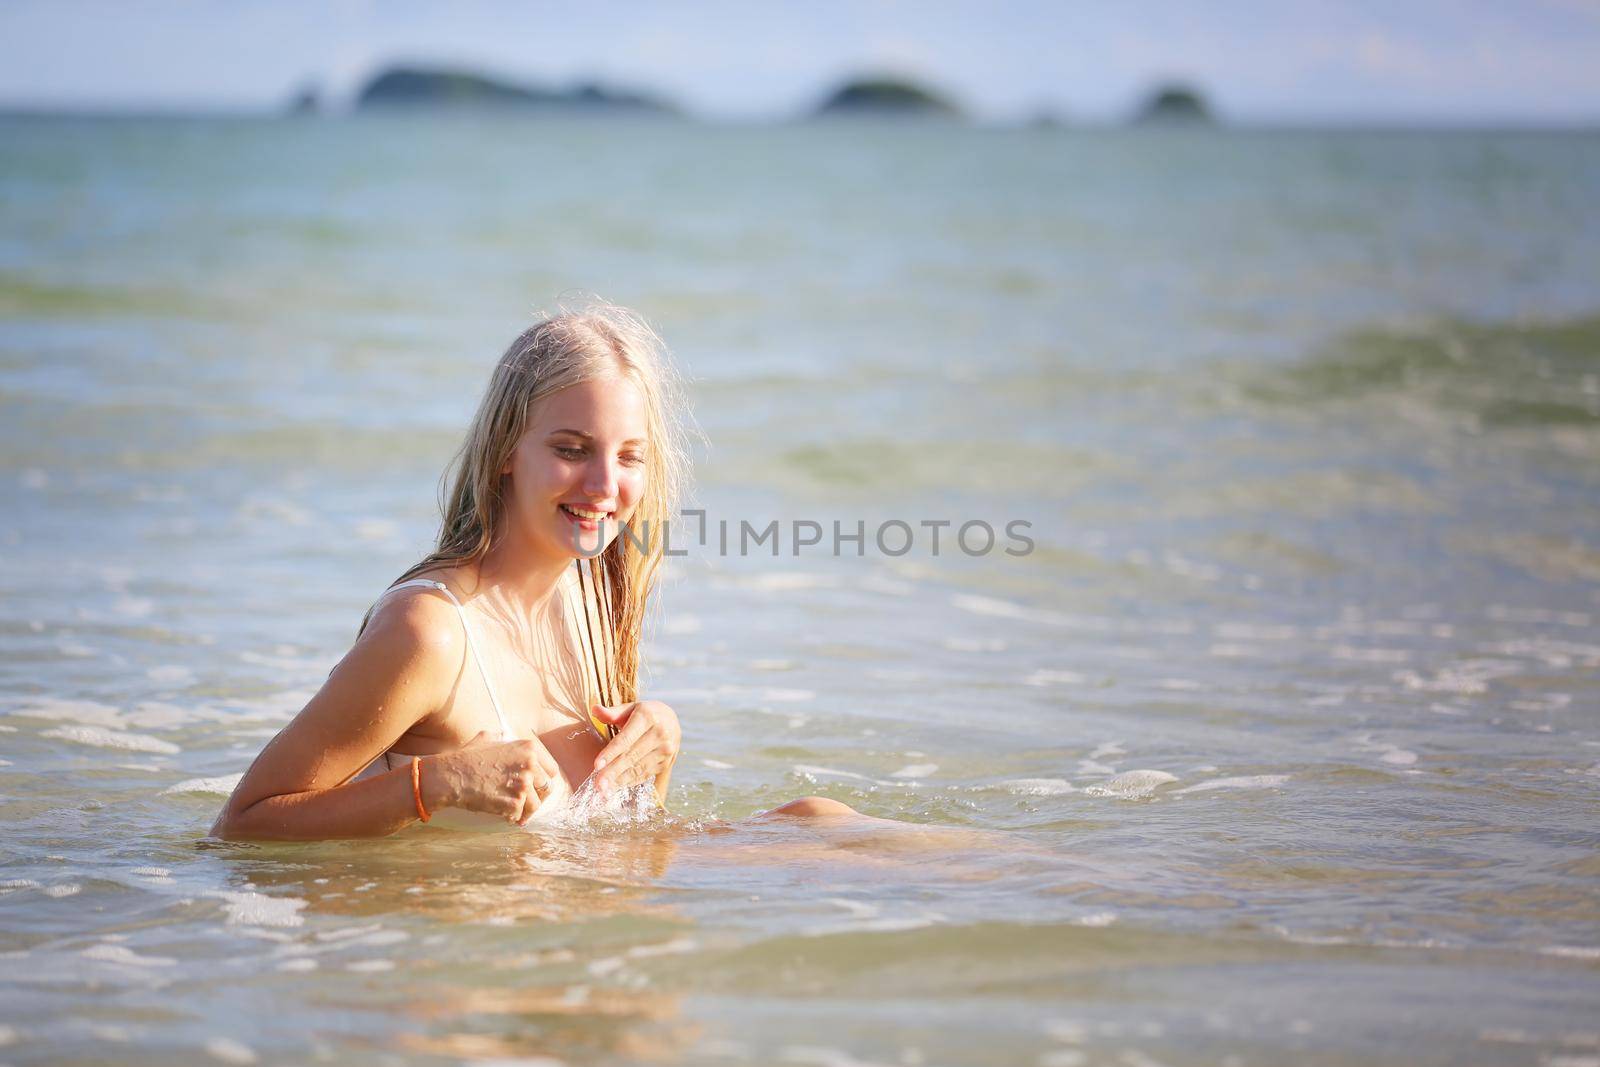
(1465, 61)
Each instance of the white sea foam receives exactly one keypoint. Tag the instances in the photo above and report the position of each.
(785, 696)
(828, 772)
(98, 738)
(134, 607)
(994, 607)
(258, 909)
(228, 1050)
(1254, 781)
(85, 712)
(124, 955)
(1038, 787)
(376, 530)
(716, 764)
(222, 785)
(159, 715)
(1387, 753)
(1044, 678)
(170, 674)
(1131, 785)
(1250, 631)
(1572, 952)
(1108, 748)
(786, 581)
(254, 509)
(1370, 655)
(673, 947)
(972, 644)
(861, 909)
(915, 770)
(1469, 678)
(881, 925)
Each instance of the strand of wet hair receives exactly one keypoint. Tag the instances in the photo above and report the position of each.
(608, 629)
(603, 596)
(601, 689)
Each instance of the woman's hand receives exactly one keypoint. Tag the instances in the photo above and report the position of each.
(644, 749)
(506, 778)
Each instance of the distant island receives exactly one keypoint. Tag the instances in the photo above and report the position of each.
(1175, 104)
(886, 96)
(423, 87)
(307, 100)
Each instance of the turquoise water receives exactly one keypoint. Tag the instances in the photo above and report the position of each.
(1281, 745)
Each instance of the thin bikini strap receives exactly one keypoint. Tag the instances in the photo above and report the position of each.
(472, 646)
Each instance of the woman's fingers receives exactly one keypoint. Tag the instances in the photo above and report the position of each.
(530, 804)
(632, 756)
(627, 770)
(538, 758)
(626, 738)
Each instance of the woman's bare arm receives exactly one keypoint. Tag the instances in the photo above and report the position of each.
(403, 667)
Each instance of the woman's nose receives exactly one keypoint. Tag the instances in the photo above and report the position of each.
(600, 480)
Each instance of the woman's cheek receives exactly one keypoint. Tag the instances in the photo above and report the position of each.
(632, 491)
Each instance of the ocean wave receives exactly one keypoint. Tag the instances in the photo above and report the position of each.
(1493, 376)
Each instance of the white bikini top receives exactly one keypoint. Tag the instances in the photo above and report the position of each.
(461, 818)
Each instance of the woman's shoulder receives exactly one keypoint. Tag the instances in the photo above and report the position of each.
(416, 615)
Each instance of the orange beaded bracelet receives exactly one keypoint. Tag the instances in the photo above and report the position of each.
(416, 787)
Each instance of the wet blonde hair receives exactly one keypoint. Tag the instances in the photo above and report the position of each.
(598, 340)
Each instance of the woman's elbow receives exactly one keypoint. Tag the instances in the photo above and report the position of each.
(240, 822)
(227, 826)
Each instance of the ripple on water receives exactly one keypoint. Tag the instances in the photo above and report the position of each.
(1038, 787)
(223, 785)
(98, 738)
(1253, 781)
(1132, 785)
(257, 909)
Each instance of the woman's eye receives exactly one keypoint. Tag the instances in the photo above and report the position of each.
(632, 459)
(567, 452)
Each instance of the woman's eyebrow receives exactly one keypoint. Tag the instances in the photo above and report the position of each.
(590, 437)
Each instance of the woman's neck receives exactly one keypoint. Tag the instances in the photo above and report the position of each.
(519, 578)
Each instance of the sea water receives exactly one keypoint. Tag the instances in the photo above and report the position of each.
(1279, 745)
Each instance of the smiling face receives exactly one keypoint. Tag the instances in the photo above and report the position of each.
(578, 471)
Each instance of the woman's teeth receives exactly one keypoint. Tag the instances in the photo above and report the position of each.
(585, 513)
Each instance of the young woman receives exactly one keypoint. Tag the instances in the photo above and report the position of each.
(498, 678)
